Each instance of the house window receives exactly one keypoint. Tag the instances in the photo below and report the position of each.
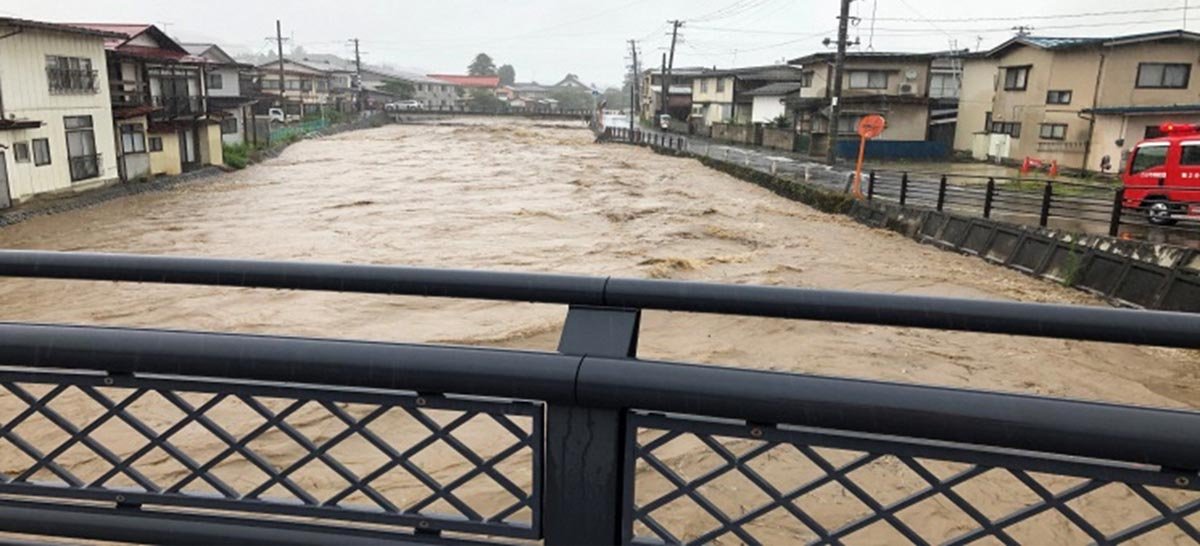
(70, 75)
(1148, 157)
(720, 85)
(155, 144)
(1058, 97)
(229, 126)
(133, 139)
(41, 151)
(21, 152)
(943, 86)
(215, 81)
(1190, 154)
(848, 124)
(1163, 75)
(806, 78)
(987, 121)
(1016, 78)
(704, 86)
(81, 148)
(868, 79)
(1054, 131)
(1007, 128)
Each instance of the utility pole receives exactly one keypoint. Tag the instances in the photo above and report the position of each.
(839, 68)
(279, 44)
(666, 81)
(358, 76)
(664, 98)
(633, 87)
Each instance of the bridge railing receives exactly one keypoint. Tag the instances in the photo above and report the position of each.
(188, 437)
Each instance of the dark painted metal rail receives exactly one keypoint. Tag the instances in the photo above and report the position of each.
(585, 407)
(1045, 320)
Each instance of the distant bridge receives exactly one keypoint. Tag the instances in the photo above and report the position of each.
(414, 115)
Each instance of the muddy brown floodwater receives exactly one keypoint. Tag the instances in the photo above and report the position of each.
(522, 196)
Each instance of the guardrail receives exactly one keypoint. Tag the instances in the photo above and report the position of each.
(187, 437)
(1173, 212)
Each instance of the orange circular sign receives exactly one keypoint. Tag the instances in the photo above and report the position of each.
(871, 126)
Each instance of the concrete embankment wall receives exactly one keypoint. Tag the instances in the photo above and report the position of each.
(1125, 273)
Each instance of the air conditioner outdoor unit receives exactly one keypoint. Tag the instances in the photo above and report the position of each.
(908, 89)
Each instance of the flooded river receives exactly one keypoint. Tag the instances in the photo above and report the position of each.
(525, 196)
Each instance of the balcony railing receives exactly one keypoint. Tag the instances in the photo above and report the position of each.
(84, 167)
(215, 438)
(72, 81)
(175, 107)
(128, 93)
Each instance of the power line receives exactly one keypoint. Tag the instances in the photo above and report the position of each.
(1034, 17)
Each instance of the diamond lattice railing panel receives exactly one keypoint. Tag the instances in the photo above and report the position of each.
(437, 462)
(704, 482)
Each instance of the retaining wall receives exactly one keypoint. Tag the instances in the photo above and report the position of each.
(779, 139)
(738, 134)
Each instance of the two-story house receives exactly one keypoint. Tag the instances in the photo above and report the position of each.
(679, 93)
(158, 103)
(56, 133)
(229, 87)
(302, 91)
(1079, 101)
(720, 96)
(896, 85)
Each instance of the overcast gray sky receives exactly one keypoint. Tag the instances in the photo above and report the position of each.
(545, 39)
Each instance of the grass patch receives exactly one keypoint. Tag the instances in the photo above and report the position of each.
(237, 156)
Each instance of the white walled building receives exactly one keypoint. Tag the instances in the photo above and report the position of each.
(56, 129)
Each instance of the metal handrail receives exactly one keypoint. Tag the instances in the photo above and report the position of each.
(1104, 431)
(1167, 329)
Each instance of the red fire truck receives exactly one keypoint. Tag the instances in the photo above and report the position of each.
(1162, 175)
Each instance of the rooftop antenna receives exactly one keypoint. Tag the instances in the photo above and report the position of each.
(1022, 30)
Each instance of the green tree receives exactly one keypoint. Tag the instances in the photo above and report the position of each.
(508, 74)
(617, 99)
(402, 89)
(572, 98)
(483, 100)
(482, 66)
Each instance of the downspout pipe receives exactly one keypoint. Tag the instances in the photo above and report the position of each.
(1087, 147)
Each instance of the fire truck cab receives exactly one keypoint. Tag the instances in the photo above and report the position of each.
(1162, 175)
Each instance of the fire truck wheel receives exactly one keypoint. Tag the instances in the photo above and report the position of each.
(1158, 212)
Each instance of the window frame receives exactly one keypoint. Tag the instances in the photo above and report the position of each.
(132, 130)
(1187, 76)
(806, 78)
(49, 159)
(1069, 93)
(155, 144)
(703, 85)
(870, 76)
(1183, 149)
(1010, 128)
(84, 127)
(1053, 129)
(1137, 152)
(1024, 82)
(21, 153)
(235, 126)
(220, 80)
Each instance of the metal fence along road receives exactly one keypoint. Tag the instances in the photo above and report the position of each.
(1078, 206)
(180, 437)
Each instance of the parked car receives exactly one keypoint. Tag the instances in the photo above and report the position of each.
(400, 106)
(276, 114)
(664, 122)
(1162, 175)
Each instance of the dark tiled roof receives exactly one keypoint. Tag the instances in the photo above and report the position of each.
(1055, 43)
(773, 89)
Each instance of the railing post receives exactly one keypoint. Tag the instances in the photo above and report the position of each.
(584, 468)
(987, 197)
(903, 188)
(1046, 194)
(1114, 225)
(871, 187)
(941, 194)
